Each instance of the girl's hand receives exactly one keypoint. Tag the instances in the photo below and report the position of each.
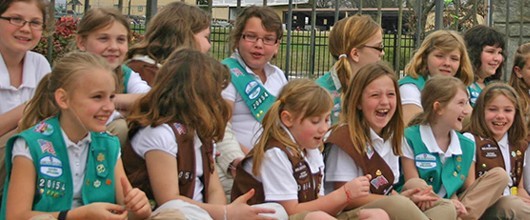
(421, 197)
(460, 208)
(101, 210)
(358, 187)
(239, 209)
(135, 200)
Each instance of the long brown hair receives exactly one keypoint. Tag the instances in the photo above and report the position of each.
(188, 91)
(359, 128)
(65, 74)
(522, 55)
(173, 26)
(303, 98)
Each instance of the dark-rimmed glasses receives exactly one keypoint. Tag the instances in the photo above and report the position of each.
(380, 49)
(19, 22)
(267, 40)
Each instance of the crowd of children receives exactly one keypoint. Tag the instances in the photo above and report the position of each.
(165, 131)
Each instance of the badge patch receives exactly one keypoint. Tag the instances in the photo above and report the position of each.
(379, 181)
(46, 146)
(44, 128)
(236, 71)
(51, 166)
(252, 89)
(425, 161)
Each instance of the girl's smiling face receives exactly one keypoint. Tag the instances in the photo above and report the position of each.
(499, 114)
(110, 42)
(442, 62)
(378, 103)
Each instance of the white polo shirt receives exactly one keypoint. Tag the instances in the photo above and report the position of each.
(34, 68)
(410, 94)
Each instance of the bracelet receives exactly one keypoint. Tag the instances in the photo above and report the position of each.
(62, 215)
(349, 198)
(225, 217)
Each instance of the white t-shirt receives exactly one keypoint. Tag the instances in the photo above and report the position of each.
(505, 151)
(246, 128)
(34, 68)
(340, 167)
(136, 84)
(77, 154)
(163, 139)
(428, 139)
(526, 170)
(410, 94)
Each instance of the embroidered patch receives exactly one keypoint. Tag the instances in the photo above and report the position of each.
(252, 89)
(180, 128)
(51, 166)
(44, 128)
(379, 181)
(46, 147)
(425, 161)
(236, 71)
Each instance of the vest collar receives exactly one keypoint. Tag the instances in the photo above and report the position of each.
(430, 142)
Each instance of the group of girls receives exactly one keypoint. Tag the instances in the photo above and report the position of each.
(271, 133)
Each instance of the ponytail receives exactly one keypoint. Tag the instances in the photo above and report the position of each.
(41, 106)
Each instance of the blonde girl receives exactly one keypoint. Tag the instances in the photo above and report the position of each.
(443, 52)
(106, 32)
(436, 154)
(22, 23)
(498, 129)
(368, 141)
(176, 25)
(172, 131)
(354, 42)
(67, 165)
(485, 46)
(286, 165)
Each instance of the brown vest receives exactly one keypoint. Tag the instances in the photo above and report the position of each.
(136, 169)
(308, 183)
(146, 70)
(382, 180)
(489, 156)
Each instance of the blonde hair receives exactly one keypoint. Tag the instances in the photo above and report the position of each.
(187, 90)
(303, 98)
(359, 129)
(348, 33)
(519, 60)
(478, 123)
(174, 26)
(441, 89)
(98, 18)
(447, 41)
(65, 74)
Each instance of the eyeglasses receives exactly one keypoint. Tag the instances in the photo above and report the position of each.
(380, 49)
(35, 25)
(267, 40)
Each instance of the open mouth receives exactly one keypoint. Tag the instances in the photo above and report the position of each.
(382, 112)
(499, 124)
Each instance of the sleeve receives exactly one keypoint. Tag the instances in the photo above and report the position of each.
(410, 94)
(20, 148)
(277, 176)
(228, 149)
(136, 84)
(407, 150)
(154, 138)
(229, 93)
(472, 138)
(340, 167)
(526, 171)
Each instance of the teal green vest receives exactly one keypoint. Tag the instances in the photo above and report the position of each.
(419, 82)
(126, 76)
(474, 91)
(452, 174)
(54, 184)
(326, 82)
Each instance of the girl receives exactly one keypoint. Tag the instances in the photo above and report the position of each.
(443, 158)
(286, 164)
(368, 142)
(499, 131)
(254, 40)
(520, 77)
(354, 42)
(66, 165)
(179, 119)
(106, 32)
(443, 52)
(22, 23)
(175, 25)
(485, 46)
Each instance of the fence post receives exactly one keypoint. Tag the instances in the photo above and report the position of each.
(288, 43)
(313, 33)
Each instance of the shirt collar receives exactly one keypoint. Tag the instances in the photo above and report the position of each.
(430, 142)
(335, 78)
(379, 144)
(503, 143)
(86, 140)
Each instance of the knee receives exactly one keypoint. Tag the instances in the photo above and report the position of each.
(500, 175)
(415, 183)
(373, 214)
(318, 215)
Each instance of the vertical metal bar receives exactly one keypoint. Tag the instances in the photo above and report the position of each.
(49, 51)
(312, 44)
(419, 14)
(87, 5)
(150, 10)
(521, 23)
(379, 12)
(438, 14)
(337, 11)
(507, 32)
(360, 8)
(397, 46)
(289, 35)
